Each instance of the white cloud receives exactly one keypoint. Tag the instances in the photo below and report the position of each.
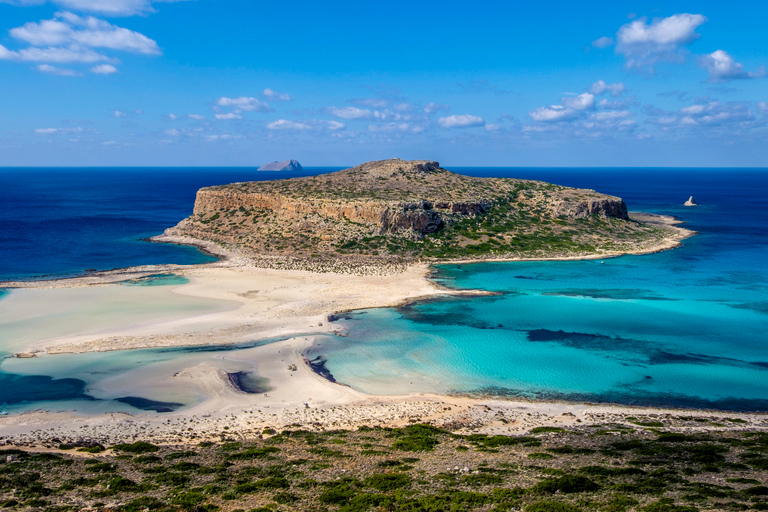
(350, 112)
(389, 127)
(335, 125)
(284, 124)
(553, 114)
(460, 121)
(712, 114)
(610, 116)
(68, 29)
(435, 107)
(644, 44)
(105, 7)
(172, 132)
(46, 68)
(46, 131)
(104, 69)
(196, 117)
(52, 54)
(584, 101)
(600, 87)
(244, 103)
(763, 108)
(721, 67)
(229, 116)
(117, 113)
(276, 96)
(173, 117)
(603, 42)
(492, 127)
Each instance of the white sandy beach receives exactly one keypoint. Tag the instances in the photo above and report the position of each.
(229, 303)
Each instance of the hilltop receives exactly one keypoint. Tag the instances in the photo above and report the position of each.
(396, 211)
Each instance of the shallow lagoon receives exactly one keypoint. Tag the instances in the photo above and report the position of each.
(681, 328)
(687, 327)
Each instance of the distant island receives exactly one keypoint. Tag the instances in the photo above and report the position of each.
(285, 165)
(399, 212)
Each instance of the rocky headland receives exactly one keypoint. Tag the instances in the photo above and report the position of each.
(396, 212)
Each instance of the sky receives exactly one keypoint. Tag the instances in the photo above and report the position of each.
(491, 83)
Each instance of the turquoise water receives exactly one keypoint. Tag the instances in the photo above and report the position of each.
(158, 280)
(685, 328)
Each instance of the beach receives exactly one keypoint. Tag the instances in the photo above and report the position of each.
(230, 302)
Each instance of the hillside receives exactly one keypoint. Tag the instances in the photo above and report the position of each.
(399, 211)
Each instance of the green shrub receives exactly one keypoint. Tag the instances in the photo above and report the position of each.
(137, 447)
(388, 481)
(189, 500)
(566, 484)
(544, 430)
(362, 502)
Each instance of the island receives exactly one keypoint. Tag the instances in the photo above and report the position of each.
(285, 165)
(395, 212)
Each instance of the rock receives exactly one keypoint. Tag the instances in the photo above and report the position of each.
(285, 165)
(691, 202)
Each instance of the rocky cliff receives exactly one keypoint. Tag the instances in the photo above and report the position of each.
(412, 209)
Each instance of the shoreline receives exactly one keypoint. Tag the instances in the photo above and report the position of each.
(266, 303)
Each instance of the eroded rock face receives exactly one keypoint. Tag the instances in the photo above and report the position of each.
(614, 208)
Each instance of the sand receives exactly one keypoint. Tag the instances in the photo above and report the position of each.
(230, 302)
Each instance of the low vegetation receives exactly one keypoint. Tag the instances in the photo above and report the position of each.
(417, 468)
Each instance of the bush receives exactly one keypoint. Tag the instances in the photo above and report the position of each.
(417, 438)
(137, 447)
(338, 495)
(189, 500)
(544, 430)
(388, 481)
(363, 502)
(567, 484)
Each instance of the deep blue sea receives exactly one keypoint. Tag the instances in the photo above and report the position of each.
(66, 221)
(687, 327)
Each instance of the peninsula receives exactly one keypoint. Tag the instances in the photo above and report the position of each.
(397, 212)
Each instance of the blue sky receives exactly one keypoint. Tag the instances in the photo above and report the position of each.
(241, 83)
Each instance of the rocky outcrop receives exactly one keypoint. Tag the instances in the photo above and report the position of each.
(691, 202)
(608, 208)
(285, 165)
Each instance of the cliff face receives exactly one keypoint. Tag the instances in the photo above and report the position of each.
(385, 208)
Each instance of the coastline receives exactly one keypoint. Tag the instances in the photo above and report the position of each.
(294, 304)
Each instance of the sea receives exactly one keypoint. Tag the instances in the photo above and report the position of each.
(681, 328)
